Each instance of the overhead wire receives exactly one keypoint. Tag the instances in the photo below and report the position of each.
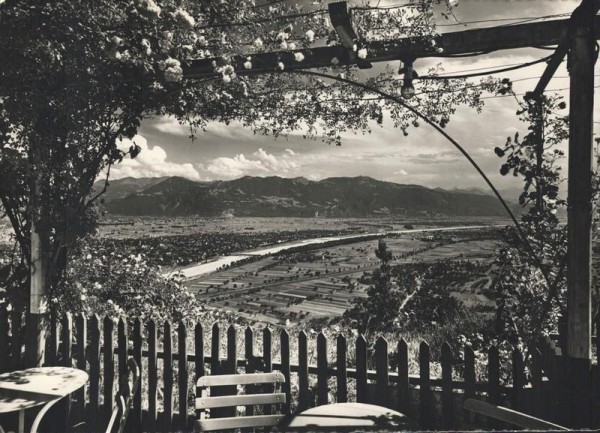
(517, 20)
(479, 74)
(492, 68)
(363, 8)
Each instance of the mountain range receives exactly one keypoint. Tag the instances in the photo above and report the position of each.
(290, 197)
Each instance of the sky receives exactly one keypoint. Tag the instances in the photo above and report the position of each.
(423, 157)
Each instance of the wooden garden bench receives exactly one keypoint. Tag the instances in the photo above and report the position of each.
(274, 396)
(509, 416)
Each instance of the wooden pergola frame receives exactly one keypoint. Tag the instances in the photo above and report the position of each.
(575, 36)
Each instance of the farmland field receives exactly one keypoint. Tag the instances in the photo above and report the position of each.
(296, 287)
(321, 283)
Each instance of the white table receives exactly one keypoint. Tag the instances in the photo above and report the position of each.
(22, 389)
(341, 416)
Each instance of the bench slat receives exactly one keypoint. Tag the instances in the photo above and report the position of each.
(239, 422)
(239, 400)
(509, 416)
(240, 379)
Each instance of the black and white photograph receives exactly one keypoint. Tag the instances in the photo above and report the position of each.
(299, 216)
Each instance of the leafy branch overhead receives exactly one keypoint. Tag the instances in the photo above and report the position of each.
(79, 76)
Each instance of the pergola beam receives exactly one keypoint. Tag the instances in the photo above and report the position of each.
(453, 44)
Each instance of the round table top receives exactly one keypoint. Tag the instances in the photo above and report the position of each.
(349, 415)
(27, 388)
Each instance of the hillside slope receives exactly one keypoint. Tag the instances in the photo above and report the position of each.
(275, 196)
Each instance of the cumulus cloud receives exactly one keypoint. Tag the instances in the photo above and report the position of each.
(258, 163)
(170, 125)
(151, 162)
(401, 172)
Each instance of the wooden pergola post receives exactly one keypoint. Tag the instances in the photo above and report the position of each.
(582, 57)
(35, 331)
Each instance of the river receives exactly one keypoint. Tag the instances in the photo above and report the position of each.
(204, 268)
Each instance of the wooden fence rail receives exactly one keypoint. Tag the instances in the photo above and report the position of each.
(172, 356)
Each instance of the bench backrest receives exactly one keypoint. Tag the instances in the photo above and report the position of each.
(204, 403)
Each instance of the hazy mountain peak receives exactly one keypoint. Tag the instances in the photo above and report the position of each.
(360, 196)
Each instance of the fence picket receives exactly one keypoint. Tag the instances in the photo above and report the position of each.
(81, 330)
(382, 367)
(518, 376)
(214, 350)
(249, 356)
(249, 349)
(199, 350)
(494, 380)
(168, 377)
(304, 398)
(322, 387)
(342, 375)
(67, 340)
(469, 372)
(426, 414)
(122, 349)
(403, 380)
(152, 376)
(539, 399)
(4, 340)
(284, 340)
(447, 392)
(182, 374)
(53, 343)
(267, 349)
(267, 361)
(493, 375)
(15, 341)
(64, 405)
(361, 369)
(136, 413)
(231, 350)
(109, 367)
(470, 379)
(94, 407)
(231, 366)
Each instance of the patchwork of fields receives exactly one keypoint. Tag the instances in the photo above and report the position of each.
(322, 283)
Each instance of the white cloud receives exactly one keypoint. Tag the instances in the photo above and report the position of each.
(151, 162)
(258, 163)
(170, 125)
(401, 172)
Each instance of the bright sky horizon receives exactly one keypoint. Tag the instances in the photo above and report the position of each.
(424, 157)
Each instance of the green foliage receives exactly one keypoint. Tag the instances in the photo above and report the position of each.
(79, 76)
(408, 298)
(105, 282)
(530, 284)
(381, 307)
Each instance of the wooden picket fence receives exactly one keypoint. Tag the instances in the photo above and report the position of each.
(164, 401)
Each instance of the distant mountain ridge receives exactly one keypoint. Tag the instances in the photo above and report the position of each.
(290, 197)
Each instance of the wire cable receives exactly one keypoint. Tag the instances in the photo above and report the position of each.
(518, 20)
(479, 74)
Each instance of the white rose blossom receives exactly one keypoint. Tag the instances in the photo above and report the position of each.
(310, 36)
(149, 7)
(298, 56)
(146, 47)
(173, 70)
(362, 53)
(184, 19)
